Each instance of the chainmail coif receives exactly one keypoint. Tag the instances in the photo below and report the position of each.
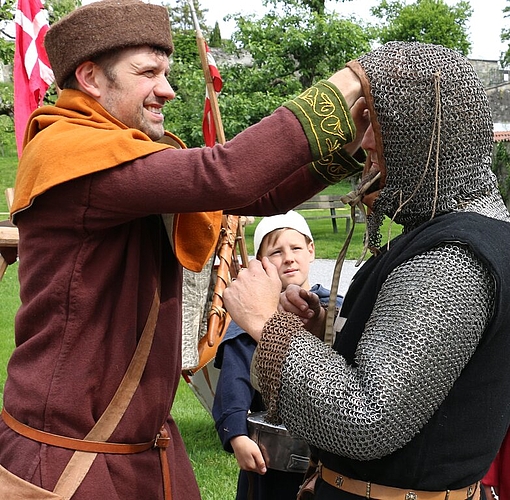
(436, 128)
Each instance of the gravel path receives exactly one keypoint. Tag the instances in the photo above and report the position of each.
(321, 271)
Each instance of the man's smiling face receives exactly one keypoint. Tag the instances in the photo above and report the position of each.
(135, 88)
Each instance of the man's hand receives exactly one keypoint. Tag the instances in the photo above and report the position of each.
(306, 305)
(361, 117)
(253, 297)
(248, 454)
(347, 82)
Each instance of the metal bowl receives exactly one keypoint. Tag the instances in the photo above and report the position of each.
(280, 450)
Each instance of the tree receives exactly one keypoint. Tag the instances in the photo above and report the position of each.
(57, 9)
(182, 18)
(289, 53)
(427, 21)
(316, 6)
(300, 43)
(215, 39)
(505, 37)
(7, 9)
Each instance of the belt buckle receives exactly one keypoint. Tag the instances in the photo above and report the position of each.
(162, 439)
(411, 495)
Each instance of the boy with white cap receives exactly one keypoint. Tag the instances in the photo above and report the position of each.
(286, 240)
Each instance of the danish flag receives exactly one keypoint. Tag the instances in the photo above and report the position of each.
(32, 72)
(208, 127)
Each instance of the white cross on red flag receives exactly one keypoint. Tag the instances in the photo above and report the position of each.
(32, 72)
(208, 127)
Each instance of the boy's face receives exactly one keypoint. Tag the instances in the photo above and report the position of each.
(291, 254)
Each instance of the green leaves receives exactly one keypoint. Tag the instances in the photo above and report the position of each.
(427, 21)
(288, 49)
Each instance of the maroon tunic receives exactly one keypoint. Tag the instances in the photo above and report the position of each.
(90, 250)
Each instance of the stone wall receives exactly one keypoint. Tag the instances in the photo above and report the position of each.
(497, 84)
(499, 100)
(489, 72)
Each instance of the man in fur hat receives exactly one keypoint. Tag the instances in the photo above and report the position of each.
(98, 336)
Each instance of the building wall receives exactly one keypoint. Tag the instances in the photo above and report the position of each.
(499, 100)
(489, 72)
(497, 84)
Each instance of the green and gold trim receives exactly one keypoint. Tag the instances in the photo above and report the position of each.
(328, 125)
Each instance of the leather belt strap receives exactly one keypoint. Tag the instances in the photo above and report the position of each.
(381, 492)
(72, 443)
(162, 442)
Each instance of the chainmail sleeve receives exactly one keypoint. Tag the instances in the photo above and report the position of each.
(427, 321)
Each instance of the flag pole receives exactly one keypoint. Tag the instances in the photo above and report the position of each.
(202, 51)
(231, 228)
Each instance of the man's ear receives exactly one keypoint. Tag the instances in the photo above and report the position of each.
(87, 77)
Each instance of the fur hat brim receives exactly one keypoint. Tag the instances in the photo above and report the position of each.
(102, 26)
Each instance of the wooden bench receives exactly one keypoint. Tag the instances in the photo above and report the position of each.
(331, 203)
(9, 236)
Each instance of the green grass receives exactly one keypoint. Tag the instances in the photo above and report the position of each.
(9, 286)
(8, 166)
(216, 470)
(327, 243)
(9, 303)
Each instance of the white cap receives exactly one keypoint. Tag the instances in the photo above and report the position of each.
(290, 220)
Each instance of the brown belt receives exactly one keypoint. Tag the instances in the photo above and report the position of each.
(161, 441)
(381, 492)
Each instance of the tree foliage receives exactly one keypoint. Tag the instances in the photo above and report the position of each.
(6, 99)
(243, 101)
(501, 167)
(505, 37)
(427, 21)
(57, 9)
(215, 39)
(293, 45)
(300, 44)
(182, 17)
(316, 6)
(7, 8)
(289, 52)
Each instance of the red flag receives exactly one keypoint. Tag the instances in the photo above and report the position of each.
(208, 127)
(32, 72)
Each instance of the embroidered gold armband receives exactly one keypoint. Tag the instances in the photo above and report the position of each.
(328, 125)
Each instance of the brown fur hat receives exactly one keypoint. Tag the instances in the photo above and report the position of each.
(101, 26)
